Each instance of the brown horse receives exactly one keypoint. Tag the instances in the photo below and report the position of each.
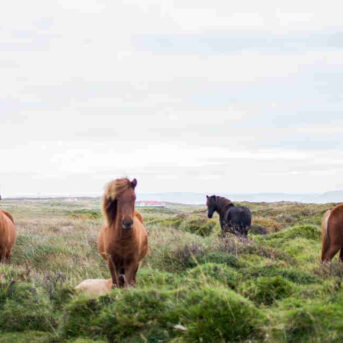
(332, 233)
(8, 235)
(123, 240)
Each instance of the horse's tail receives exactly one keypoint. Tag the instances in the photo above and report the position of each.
(325, 233)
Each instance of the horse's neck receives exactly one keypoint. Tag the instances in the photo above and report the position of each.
(223, 205)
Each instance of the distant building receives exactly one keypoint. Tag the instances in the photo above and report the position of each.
(150, 204)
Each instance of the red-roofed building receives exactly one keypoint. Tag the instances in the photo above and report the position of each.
(150, 203)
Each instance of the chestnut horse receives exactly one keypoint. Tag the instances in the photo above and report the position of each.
(332, 233)
(8, 235)
(123, 240)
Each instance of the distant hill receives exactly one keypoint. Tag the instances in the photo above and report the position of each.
(200, 198)
(192, 198)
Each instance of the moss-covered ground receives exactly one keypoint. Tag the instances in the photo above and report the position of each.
(194, 286)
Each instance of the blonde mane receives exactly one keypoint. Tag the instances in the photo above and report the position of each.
(116, 187)
(112, 191)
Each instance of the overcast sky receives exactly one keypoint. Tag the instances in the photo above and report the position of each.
(185, 95)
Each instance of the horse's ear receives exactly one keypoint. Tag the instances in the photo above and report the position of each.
(207, 196)
(134, 183)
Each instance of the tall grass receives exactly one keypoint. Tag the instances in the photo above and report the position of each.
(194, 286)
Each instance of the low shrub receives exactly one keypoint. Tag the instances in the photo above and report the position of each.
(212, 272)
(218, 315)
(289, 273)
(265, 290)
(184, 257)
(317, 322)
(267, 223)
(221, 257)
(85, 214)
(25, 337)
(79, 317)
(157, 278)
(25, 307)
(198, 225)
(132, 312)
(311, 232)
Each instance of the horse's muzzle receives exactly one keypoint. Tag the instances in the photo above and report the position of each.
(127, 224)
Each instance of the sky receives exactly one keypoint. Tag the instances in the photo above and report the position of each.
(186, 96)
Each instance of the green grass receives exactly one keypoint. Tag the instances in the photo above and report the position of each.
(194, 285)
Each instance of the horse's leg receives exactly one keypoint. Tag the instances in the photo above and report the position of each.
(330, 253)
(341, 254)
(121, 276)
(2, 255)
(113, 271)
(130, 273)
(8, 256)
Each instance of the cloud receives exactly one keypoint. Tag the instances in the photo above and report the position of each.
(188, 96)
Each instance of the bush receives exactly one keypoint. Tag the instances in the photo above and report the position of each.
(198, 225)
(157, 278)
(85, 214)
(289, 273)
(311, 232)
(211, 272)
(221, 257)
(173, 222)
(265, 290)
(315, 323)
(136, 311)
(269, 224)
(25, 337)
(25, 307)
(79, 317)
(218, 315)
(184, 257)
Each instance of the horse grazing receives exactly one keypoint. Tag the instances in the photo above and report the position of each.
(123, 240)
(8, 235)
(332, 233)
(235, 219)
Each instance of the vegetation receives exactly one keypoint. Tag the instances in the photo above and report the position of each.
(194, 286)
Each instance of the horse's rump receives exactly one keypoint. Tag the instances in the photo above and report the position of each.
(7, 234)
(9, 215)
(239, 216)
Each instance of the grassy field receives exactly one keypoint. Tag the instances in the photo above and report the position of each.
(194, 286)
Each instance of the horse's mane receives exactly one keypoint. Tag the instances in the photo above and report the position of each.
(112, 190)
(224, 203)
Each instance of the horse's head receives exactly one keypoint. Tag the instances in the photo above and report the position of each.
(211, 203)
(120, 200)
(126, 205)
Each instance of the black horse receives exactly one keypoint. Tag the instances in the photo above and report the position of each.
(235, 219)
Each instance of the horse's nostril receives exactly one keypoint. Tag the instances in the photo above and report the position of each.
(127, 224)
